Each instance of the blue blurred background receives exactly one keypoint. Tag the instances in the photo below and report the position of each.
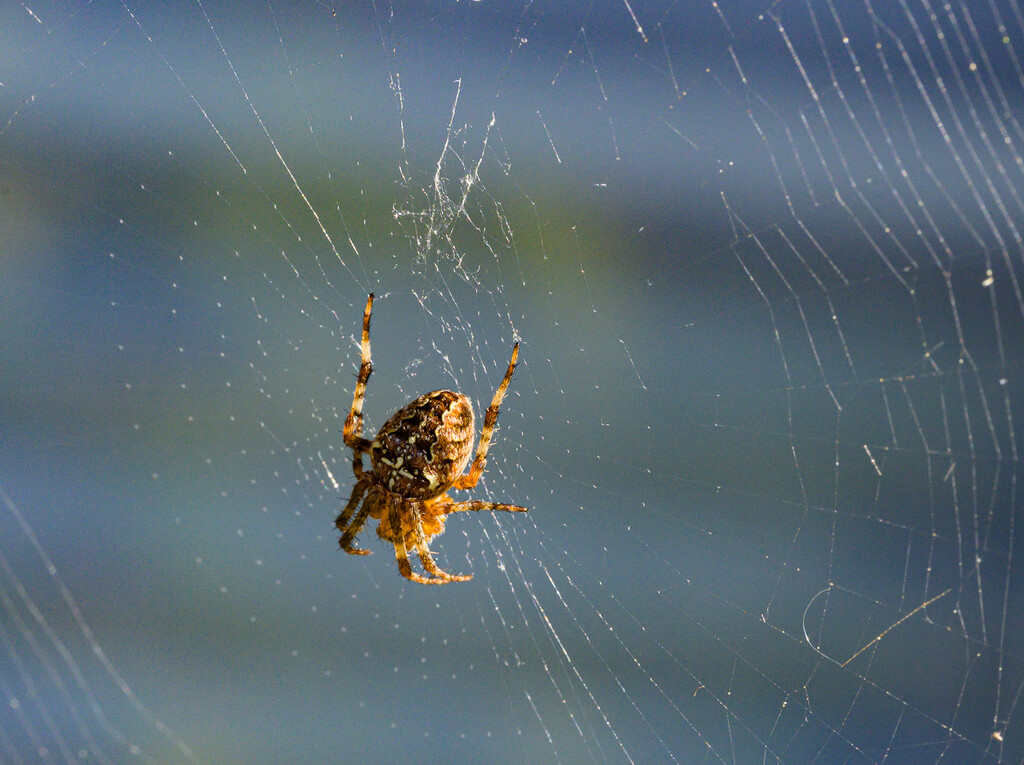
(764, 260)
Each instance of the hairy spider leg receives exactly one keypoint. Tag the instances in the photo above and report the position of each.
(353, 531)
(458, 507)
(425, 556)
(468, 481)
(401, 554)
(353, 437)
(349, 531)
(353, 433)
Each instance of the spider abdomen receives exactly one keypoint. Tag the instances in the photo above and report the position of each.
(425, 445)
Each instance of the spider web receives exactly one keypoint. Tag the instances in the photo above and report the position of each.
(765, 263)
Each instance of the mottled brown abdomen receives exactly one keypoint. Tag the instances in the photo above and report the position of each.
(425, 445)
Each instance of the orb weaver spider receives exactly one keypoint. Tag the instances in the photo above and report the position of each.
(417, 456)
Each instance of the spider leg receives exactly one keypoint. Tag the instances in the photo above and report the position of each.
(353, 433)
(342, 521)
(458, 507)
(350, 531)
(353, 437)
(468, 481)
(424, 552)
(406, 570)
(401, 554)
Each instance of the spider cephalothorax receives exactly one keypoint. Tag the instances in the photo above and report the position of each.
(418, 455)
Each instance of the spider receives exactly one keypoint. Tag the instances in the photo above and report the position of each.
(417, 456)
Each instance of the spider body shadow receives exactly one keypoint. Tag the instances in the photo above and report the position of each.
(418, 455)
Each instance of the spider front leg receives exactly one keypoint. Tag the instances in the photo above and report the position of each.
(401, 554)
(348, 530)
(422, 551)
(468, 481)
(426, 558)
(353, 433)
(458, 507)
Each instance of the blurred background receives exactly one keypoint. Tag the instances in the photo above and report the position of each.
(765, 263)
